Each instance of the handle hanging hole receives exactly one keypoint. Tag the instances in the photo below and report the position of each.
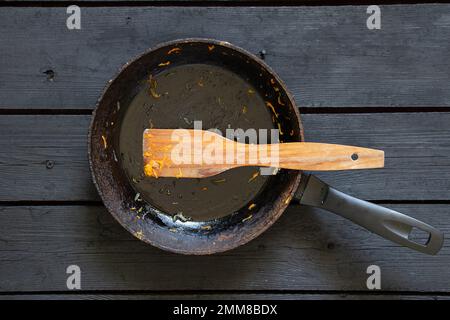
(355, 157)
(419, 236)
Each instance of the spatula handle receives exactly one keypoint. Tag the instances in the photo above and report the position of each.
(323, 157)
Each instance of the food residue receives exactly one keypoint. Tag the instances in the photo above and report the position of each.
(270, 105)
(139, 235)
(219, 181)
(188, 122)
(181, 217)
(248, 218)
(105, 145)
(250, 207)
(244, 109)
(164, 64)
(279, 128)
(152, 89)
(174, 50)
(152, 168)
(211, 47)
(288, 199)
(254, 176)
(148, 170)
(279, 100)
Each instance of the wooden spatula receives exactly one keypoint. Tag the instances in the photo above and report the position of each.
(185, 153)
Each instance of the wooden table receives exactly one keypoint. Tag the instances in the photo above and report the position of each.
(387, 89)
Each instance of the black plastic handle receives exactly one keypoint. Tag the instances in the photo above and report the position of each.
(385, 222)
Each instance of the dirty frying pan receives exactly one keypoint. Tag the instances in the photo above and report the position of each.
(183, 81)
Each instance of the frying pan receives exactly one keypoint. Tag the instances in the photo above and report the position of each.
(153, 225)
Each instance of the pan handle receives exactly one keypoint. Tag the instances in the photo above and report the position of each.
(385, 222)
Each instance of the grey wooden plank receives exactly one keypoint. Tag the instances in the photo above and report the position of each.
(326, 55)
(306, 249)
(231, 296)
(417, 147)
(29, 142)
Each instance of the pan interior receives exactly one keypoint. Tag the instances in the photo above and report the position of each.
(181, 95)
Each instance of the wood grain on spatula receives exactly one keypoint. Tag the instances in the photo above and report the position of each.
(186, 153)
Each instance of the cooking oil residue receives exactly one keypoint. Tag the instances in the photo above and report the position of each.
(175, 98)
